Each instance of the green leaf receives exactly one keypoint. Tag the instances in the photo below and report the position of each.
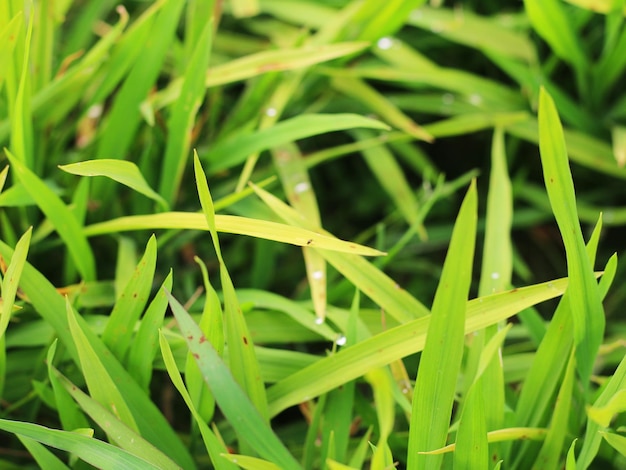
(550, 453)
(597, 6)
(8, 37)
(242, 357)
(51, 306)
(229, 224)
(472, 451)
(128, 307)
(212, 325)
(434, 392)
(617, 441)
(369, 279)
(604, 414)
(381, 383)
(59, 97)
(245, 8)
(261, 62)
(544, 375)
(570, 462)
(124, 117)
(145, 345)
(487, 94)
(3, 177)
(61, 217)
(291, 168)
(497, 263)
(118, 432)
(11, 280)
(70, 415)
(587, 311)
(392, 178)
(501, 435)
(618, 134)
(496, 271)
(43, 457)
(21, 119)
(251, 463)
(583, 149)
(122, 171)
(235, 150)
(214, 447)
(470, 29)
(399, 342)
(274, 302)
(185, 109)
(233, 402)
(551, 22)
(95, 452)
(101, 386)
(380, 105)
(375, 20)
(592, 439)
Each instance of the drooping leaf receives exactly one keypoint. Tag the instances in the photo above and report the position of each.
(122, 171)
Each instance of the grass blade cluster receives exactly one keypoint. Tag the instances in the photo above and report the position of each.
(317, 234)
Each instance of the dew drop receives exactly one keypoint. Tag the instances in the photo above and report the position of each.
(318, 275)
(428, 188)
(319, 320)
(94, 111)
(341, 341)
(271, 112)
(447, 99)
(385, 43)
(301, 187)
(495, 276)
(475, 99)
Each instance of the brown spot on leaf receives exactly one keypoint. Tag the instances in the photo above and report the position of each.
(245, 340)
(202, 339)
(271, 66)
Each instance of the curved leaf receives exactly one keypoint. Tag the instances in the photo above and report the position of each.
(230, 224)
(122, 171)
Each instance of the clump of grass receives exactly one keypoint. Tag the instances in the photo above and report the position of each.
(418, 338)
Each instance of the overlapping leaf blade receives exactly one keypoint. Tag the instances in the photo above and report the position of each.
(440, 361)
(587, 311)
(233, 402)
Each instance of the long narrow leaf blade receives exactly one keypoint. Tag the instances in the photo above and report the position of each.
(122, 171)
(98, 453)
(61, 217)
(399, 342)
(233, 402)
(440, 362)
(230, 224)
(587, 311)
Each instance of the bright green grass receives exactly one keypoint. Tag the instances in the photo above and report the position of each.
(142, 142)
